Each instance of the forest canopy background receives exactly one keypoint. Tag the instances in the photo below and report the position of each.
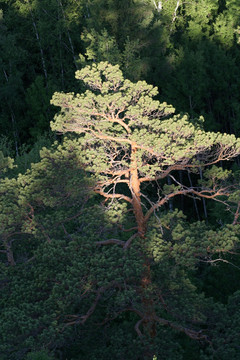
(111, 243)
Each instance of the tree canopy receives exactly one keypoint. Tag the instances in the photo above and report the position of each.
(130, 138)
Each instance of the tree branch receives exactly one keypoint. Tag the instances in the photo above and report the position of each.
(193, 334)
(110, 241)
(113, 196)
(136, 327)
(128, 242)
(165, 200)
(201, 194)
(220, 260)
(82, 319)
(236, 215)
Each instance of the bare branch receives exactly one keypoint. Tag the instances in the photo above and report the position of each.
(136, 327)
(193, 334)
(127, 230)
(164, 201)
(128, 242)
(113, 196)
(236, 216)
(220, 260)
(206, 193)
(110, 241)
(82, 319)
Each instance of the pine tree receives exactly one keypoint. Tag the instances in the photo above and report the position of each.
(130, 141)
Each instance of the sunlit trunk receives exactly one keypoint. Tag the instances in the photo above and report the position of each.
(136, 195)
(149, 324)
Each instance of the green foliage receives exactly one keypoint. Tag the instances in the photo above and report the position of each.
(39, 112)
(39, 355)
(5, 162)
(143, 40)
(119, 117)
(31, 154)
(54, 270)
(162, 139)
(102, 47)
(59, 271)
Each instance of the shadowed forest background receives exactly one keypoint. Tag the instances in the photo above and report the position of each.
(70, 287)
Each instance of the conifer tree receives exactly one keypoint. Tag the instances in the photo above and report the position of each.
(130, 141)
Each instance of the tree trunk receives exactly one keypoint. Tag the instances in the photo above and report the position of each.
(39, 43)
(149, 324)
(136, 195)
(9, 252)
(14, 124)
(69, 36)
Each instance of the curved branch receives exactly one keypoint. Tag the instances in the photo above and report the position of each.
(122, 123)
(136, 327)
(113, 196)
(124, 244)
(193, 334)
(164, 201)
(83, 318)
(101, 136)
(128, 242)
(201, 194)
(114, 120)
(111, 241)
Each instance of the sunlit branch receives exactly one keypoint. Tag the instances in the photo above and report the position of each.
(203, 194)
(164, 201)
(220, 260)
(100, 135)
(183, 166)
(113, 196)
